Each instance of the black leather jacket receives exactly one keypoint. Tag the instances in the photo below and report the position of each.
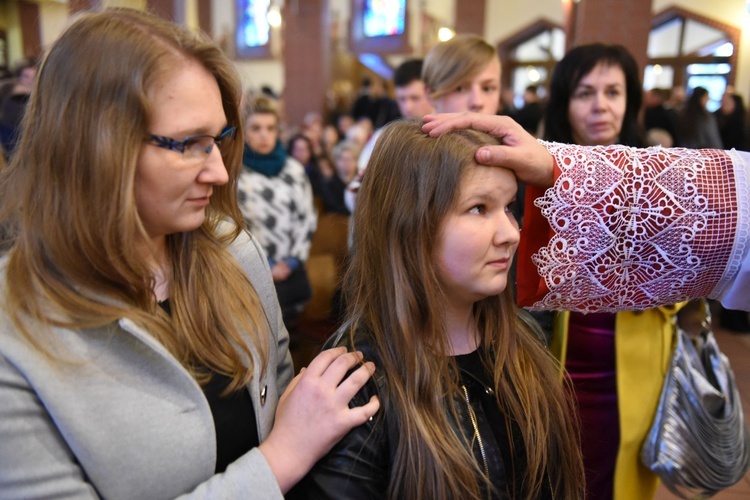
(359, 466)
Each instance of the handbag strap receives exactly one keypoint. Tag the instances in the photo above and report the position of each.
(696, 329)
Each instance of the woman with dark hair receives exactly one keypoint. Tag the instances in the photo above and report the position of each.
(730, 118)
(696, 127)
(300, 147)
(142, 352)
(577, 114)
(613, 360)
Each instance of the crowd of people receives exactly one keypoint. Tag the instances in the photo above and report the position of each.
(157, 225)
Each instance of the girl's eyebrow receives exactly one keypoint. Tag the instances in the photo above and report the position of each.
(484, 194)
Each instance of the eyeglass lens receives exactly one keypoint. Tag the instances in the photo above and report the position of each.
(201, 146)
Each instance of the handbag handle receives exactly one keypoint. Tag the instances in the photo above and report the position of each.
(694, 319)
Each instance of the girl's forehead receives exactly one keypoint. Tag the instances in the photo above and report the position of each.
(481, 177)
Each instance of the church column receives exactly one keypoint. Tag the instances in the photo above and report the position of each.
(627, 23)
(469, 16)
(307, 57)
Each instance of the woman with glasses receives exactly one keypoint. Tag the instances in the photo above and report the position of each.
(142, 352)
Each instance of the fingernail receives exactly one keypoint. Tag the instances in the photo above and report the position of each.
(483, 155)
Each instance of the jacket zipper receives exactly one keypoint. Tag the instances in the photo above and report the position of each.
(473, 418)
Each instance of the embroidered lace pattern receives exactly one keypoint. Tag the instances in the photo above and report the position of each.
(635, 228)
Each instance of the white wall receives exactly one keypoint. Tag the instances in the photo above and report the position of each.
(53, 20)
(504, 18)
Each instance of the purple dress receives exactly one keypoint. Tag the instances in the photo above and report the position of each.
(590, 363)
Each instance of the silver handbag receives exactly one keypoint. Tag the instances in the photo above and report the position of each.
(698, 443)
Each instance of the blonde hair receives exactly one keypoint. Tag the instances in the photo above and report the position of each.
(69, 194)
(259, 105)
(394, 295)
(449, 63)
(346, 145)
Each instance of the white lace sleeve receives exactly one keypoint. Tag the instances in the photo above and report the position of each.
(637, 228)
(734, 285)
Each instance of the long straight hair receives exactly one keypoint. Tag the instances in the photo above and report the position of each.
(693, 119)
(566, 76)
(68, 193)
(394, 294)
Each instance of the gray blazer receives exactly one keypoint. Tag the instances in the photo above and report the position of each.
(121, 418)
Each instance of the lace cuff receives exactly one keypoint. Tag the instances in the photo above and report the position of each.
(626, 228)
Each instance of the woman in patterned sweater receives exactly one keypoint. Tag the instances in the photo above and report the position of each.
(276, 200)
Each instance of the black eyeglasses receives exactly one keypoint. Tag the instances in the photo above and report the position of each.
(194, 146)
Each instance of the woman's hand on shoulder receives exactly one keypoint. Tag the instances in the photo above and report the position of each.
(520, 151)
(313, 413)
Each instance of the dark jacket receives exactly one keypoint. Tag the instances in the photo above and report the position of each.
(359, 466)
(332, 194)
(529, 117)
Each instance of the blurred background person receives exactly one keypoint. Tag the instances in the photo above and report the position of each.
(530, 115)
(677, 98)
(657, 115)
(360, 132)
(696, 126)
(374, 103)
(329, 139)
(659, 137)
(312, 128)
(463, 74)
(300, 148)
(345, 166)
(507, 103)
(730, 118)
(411, 99)
(343, 122)
(277, 203)
(16, 94)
